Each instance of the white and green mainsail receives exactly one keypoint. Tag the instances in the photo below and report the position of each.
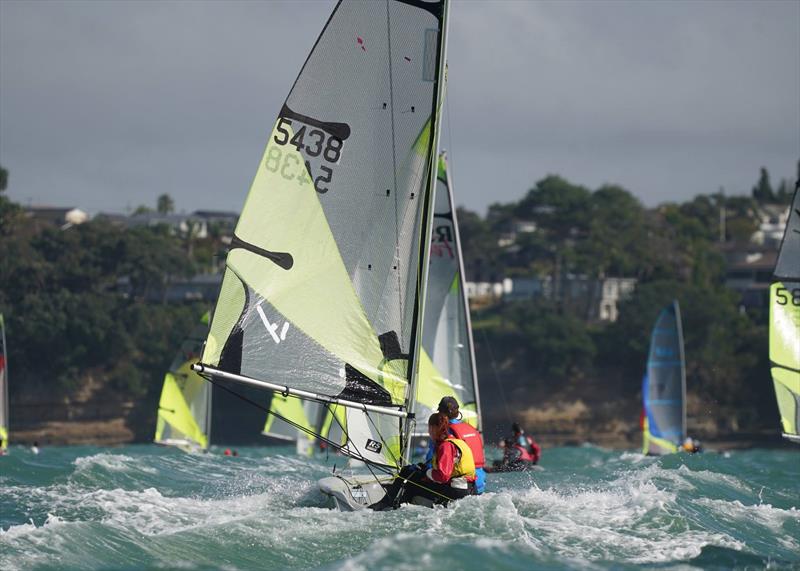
(664, 386)
(447, 365)
(184, 410)
(784, 324)
(3, 386)
(324, 286)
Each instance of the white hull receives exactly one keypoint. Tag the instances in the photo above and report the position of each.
(353, 493)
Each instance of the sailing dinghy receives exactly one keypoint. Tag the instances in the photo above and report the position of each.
(664, 386)
(784, 324)
(184, 411)
(324, 288)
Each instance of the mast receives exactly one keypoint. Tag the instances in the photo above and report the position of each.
(462, 274)
(425, 241)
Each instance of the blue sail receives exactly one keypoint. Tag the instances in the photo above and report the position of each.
(664, 385)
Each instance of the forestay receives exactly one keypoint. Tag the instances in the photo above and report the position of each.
(184, 411)
(784, 324)
(664, 386)
(323, 286)
(447, 364)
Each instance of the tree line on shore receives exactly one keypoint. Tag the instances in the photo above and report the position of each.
(68, 317)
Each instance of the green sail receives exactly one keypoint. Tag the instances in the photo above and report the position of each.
(184, 410)
(784, 325)
(3, 386)
(323, 288)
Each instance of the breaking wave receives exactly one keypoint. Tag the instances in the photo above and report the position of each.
(148, 507)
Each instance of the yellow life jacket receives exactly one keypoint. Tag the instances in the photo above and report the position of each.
(464, 464)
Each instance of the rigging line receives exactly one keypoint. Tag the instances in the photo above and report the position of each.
(378, 430)
(360, 455)
(261, 407)
(496, 377)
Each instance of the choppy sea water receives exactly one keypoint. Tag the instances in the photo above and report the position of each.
(147, 507)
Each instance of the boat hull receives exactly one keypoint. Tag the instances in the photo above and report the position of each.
(354, 493)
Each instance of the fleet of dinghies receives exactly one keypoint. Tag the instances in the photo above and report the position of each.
(784, 324)
(343, 291)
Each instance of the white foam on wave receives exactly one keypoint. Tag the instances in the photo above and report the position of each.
(762, 514)
(635, 519)
(112, 463)
(715, 478)
(21, 530)
(25, 545)
(149, 512)
(635, 457)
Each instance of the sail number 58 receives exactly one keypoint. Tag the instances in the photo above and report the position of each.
(784, 295)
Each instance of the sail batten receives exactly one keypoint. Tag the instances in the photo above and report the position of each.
(784, 324)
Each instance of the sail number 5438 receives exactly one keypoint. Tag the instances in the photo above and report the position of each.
(783, 295)
(313, 143)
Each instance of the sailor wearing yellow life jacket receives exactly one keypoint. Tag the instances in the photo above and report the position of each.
(453, 463)
(451, 476)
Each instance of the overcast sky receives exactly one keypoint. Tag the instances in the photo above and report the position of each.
(107, 104)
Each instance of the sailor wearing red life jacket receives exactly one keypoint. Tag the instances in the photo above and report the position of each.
(450, 477)
(529, 450)
(448, 406)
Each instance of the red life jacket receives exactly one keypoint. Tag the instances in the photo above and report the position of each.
(524, 455)
(469, 434)
(534, 448)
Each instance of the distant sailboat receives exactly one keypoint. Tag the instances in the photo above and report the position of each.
(784, 324)
(306, 423)
(184, 411)
(292, 420)
(324, 288)
(664, 386)
(3, 387)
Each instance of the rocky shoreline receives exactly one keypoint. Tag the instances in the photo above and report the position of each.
(558, 424)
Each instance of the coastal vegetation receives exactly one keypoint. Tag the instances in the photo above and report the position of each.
(89, 299)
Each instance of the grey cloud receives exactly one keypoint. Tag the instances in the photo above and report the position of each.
(108, 104)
